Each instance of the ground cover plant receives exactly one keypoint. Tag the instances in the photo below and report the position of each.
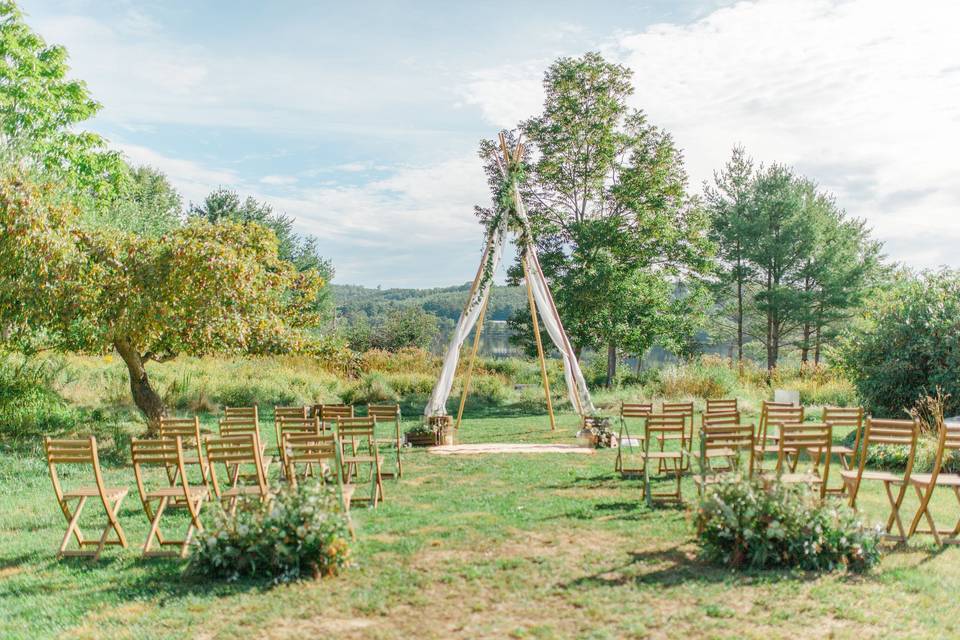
(748, 524)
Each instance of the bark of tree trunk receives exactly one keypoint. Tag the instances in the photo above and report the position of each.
(816, 347)
(805, 345)
(739, 312)
(147, 400)
(611, 364)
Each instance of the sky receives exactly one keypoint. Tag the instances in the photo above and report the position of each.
(361, 120)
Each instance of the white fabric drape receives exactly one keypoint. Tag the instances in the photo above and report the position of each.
(437, 405)
(576, 386)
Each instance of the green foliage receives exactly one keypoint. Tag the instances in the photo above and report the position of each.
(372, 388)
(793, 266)
(404, 328)
(907, 344)
(446, 303)
(29, 406)
(40, 109)
(746, 525)
(705, 377)
(300, 533)
(148, 205)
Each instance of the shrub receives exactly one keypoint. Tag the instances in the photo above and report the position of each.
(406, 360)
(747, 525)
(300, 533)
(907, 345)
(28, 404)
(706, 377)
(373, 387)
(489, 390)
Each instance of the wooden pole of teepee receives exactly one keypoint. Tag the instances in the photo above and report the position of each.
(468, 376)
(536, 335)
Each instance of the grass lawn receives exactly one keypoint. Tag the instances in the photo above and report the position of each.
(509, 545)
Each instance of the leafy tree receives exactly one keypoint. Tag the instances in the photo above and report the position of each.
(728, 203)
(408, 327)
(148, 205)
(40, 109)
(608, 208)
(906, 344)
(200, 289)
(781, 228)
(303, 252)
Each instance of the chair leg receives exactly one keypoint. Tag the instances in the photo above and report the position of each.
(72, 526)
(924, 510)
(114, 525)
(154, 531)
(894, 514)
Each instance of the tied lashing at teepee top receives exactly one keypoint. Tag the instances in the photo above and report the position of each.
(510, 217)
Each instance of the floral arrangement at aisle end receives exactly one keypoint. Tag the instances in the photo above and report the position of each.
(746, 524)
(300, 533)
(598, 431)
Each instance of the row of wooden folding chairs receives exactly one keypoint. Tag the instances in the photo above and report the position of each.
(310, 451)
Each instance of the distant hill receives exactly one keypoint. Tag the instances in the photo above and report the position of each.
(445, 302)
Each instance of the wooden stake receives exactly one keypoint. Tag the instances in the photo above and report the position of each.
(536, 335)
(473, 356)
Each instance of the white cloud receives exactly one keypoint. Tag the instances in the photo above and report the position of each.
(279, 180)
(861, 95)
(192, 179)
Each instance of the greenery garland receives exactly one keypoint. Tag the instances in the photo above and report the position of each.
(506, 205)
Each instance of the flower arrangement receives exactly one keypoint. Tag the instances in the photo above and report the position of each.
(746, 524)
(598, 431)
(300, 533)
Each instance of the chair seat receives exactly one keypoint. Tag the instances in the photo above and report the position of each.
(882, 476)
(662, 455)
(842, 450)
(91, 492)
(666, 437)
(246, 490)
(176, 492)
(720, 453)
(710, 479)
(364, 458)
(800, 478)
(770, 448)
(944, 479)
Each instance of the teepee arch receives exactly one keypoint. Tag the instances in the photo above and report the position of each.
(510, 215)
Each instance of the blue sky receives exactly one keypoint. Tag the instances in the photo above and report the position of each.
(362, 119)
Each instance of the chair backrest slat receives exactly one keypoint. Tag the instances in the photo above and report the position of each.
(722, 405)
(717, 419)
(334, 411)
(356, 427)
(383, 412)
(635, 409)
(665, 423)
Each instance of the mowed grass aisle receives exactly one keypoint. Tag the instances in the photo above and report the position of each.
(508, 545)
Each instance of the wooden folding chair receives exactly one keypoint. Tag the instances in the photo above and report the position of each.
(658, 425)
(358, 443)
(725, 405)
(684, 409)
(166, 453)
(846, 417)
(238, 426)
(235, 452)
(293, 413)
(188, 430)
(84, 451)
(322, 451)
(385, 414)
(249, 413)
(948, 443)
(885, 432)
(295, 426)
(710, 421)
(772, 414)
(814, 439)
(630, 411)
(329, 413)
(723, 440)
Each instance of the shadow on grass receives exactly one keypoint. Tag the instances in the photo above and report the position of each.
(676, 565)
